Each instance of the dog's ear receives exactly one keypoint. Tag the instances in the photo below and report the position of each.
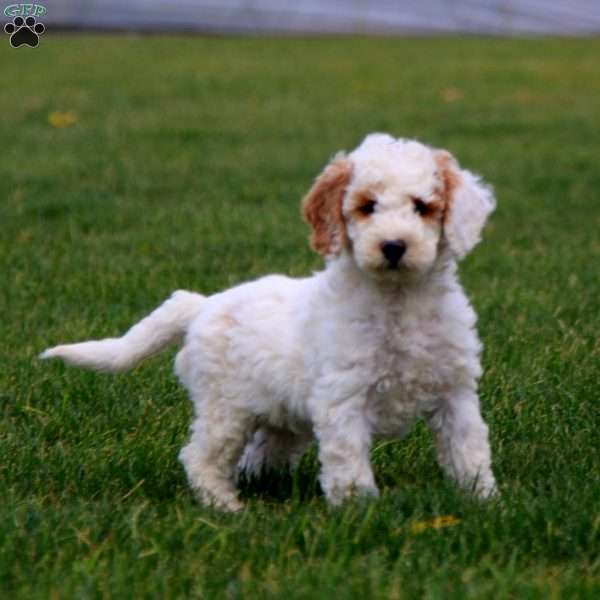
(468, 202)
(322, 207)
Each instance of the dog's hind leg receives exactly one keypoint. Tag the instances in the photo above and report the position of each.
(212, 454)
(272, 448)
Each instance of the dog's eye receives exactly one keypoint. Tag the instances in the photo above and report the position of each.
(422, 208)
(367, 207)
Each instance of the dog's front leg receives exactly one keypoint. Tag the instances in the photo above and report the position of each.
(344, 437)
(462, 442)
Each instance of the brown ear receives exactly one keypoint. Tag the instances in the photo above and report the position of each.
(468, 203)
(322, 207)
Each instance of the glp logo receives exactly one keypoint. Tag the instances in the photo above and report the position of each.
(25, 28)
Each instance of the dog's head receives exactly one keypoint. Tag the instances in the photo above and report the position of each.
(395, 204)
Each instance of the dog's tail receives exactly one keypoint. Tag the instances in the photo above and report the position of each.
(164, 326)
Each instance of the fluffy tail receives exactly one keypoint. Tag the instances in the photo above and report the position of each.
(165, 326)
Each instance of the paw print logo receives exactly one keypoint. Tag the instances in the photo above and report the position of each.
(24, 31)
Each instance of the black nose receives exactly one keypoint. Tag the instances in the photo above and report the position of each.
(393, 252)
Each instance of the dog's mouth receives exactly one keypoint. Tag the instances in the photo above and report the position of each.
(385, 266)
(403, 272)
(392, 274)
(394, 267)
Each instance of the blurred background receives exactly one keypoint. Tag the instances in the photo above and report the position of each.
(500, 17)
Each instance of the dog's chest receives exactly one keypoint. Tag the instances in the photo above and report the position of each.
(411, 368)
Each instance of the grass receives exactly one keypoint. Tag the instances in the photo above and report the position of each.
(184, 169)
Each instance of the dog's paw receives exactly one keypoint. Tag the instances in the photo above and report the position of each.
(231, 505)
(24, 31)
(337, 494)
(227, 502)
(486, 489)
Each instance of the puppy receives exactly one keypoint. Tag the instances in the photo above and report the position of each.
(382, 337)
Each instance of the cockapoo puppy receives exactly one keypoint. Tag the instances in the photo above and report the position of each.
(382, 337)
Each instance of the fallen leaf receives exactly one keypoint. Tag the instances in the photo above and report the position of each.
(435, 523)
(61, 119)
(451, 94)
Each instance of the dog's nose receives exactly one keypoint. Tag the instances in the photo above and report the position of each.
(393, 252)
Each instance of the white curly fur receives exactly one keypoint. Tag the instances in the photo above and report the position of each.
(358, 351)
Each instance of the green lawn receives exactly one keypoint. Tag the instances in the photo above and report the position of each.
(184, 168)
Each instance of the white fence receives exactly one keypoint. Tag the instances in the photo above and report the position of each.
(501, 17)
